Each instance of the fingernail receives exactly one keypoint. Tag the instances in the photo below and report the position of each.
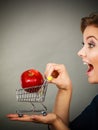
(49, 78)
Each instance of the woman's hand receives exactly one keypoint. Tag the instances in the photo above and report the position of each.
(51, 119)
(62, 80)
(48, 119)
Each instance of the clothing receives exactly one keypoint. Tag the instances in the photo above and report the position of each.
(88, 119)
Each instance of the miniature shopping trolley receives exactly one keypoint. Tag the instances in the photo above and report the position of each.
(34, 95)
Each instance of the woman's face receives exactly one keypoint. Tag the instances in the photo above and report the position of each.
(89, 52)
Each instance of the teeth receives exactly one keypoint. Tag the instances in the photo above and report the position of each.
(85, 63)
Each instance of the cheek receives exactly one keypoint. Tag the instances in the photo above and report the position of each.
(94, 60)
(94, 57)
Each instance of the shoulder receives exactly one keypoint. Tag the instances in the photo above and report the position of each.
(95, 101)
(88, 118)
(95, 98)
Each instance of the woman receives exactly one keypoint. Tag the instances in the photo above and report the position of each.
(59, 118)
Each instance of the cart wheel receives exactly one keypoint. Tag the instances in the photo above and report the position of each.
(44, 113)
(20, 114)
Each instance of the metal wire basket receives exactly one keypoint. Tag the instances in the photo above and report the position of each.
(34, 95)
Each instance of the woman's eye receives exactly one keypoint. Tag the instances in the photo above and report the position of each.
(91, 45)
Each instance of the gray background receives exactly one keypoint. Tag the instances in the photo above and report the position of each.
(32, 34)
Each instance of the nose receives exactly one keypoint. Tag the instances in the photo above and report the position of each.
(82, 52)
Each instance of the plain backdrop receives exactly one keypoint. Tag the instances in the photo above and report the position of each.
(32, 34)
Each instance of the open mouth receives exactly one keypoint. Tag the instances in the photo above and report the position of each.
(90, 67)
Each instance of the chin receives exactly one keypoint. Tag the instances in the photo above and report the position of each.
(92, 81)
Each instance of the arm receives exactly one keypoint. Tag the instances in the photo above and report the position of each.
(63, 98)
(59, 125)
(51, 119)
(62, 105)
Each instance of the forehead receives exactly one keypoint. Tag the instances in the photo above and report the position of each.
(90, 31)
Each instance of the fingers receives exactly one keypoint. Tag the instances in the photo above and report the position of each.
(17, 118)
(51, 70)
(62, 79)
(12, 115)
(33, 118)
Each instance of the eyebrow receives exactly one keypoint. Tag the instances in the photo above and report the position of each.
(92, 37)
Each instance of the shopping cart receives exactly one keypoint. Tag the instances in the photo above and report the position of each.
(34, 95)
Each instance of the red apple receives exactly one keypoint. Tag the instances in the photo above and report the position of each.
(31, 80)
